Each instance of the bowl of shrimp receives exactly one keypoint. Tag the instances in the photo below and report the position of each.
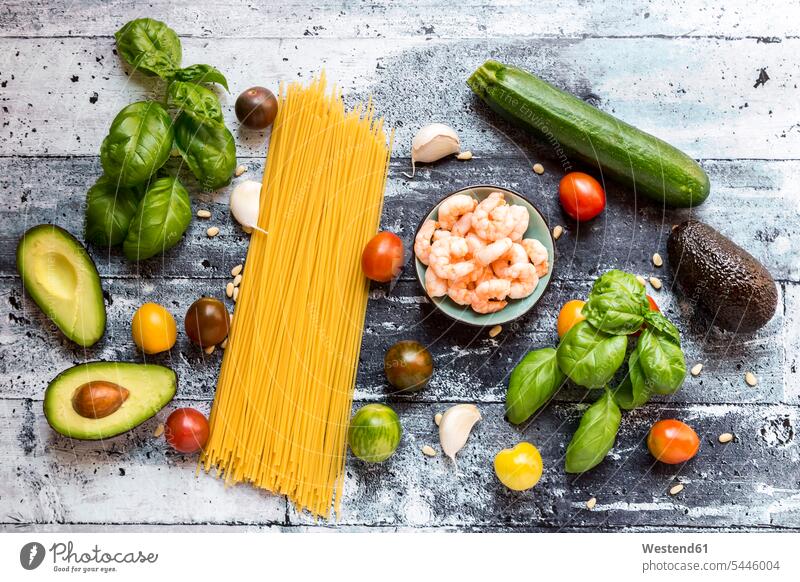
(484, 255)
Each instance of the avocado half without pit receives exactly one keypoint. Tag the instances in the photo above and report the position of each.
(730, 286)
(99, 400)
(62, 279)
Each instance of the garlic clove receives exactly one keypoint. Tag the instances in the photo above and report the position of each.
(455, 427)
(433, 142)
(245, 202)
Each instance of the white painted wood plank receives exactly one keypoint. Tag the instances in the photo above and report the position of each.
(385, 18)
(45, 478)
(698, 94)
(135, 477)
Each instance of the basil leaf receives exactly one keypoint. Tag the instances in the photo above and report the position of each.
(617, 303)
(208, 149)
(201, 74)
(161, 219)
(657, 321)
(109, 210)
(138, 143)
(532, 383)
(595, 436)
(590, 357)
(195, 100)
(149, 46)
(661, 360)
(634, 390)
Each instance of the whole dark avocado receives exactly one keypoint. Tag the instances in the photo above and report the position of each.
(733, 289)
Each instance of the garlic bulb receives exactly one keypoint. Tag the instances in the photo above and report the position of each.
(433, 142)
(455, 427)
(244, 204)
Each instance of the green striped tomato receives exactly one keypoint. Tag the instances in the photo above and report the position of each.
(374, 433)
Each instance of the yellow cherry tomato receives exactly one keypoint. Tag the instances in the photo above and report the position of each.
(519, 468)
(153, 328)
(569, 315)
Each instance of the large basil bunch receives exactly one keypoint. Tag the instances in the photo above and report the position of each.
(591, 354)
(141, 139)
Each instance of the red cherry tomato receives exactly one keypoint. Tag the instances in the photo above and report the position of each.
(653, 304)
(383, 257)
(186, 430)
(672, 441)
(582, 197)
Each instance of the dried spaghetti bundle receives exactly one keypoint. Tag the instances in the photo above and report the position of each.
(282, 406)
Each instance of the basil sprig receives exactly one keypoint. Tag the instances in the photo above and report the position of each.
(141, 138)
(591, 354)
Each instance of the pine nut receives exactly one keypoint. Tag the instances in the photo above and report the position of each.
(676, 489)
(236, 280)
(558, 231)
(657, 260)
(428, 451)
(495, 331)
(751, 379)
(467, 155)
(203, 214)
(641, 280)
(655, 282)
(159, 430)
(696, 369)
(224, 344)
(239, 171)
(591, 503)
(229, 289)
(236, 270)
(212, 232)
(235, 294)
(538, 168)
(209, 350)
(725, 437)
(437, 418)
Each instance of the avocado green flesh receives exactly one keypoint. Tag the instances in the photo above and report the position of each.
(627, 154)
(150, 388)
(62, 279)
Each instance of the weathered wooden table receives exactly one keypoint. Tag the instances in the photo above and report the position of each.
(718, 80)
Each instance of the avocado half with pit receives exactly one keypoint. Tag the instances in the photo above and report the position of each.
(99, 400)
(730, 285)
(62, 279)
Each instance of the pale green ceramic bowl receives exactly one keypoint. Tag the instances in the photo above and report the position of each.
(537, 228)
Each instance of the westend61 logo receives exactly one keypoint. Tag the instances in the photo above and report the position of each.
(67, 559)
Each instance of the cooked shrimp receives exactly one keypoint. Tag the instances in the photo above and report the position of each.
(437, 234)
(492, 289)
(521, 219)
(537, 254)
(435, 286)
(462, 291)
(502, 267)
(536, 251)
(462, 225)
(422, 242)
(491, 252)
(524, 283)
(474, 242)
(454, 208)
(492, 219)
(444, 257)
(488, 306)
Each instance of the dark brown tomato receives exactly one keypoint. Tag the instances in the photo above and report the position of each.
(408, 366)
(207, 322)
(256, 108)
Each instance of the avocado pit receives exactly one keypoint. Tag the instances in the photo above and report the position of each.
(98, 399)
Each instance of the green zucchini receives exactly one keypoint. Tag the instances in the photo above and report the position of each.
(630, 156)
